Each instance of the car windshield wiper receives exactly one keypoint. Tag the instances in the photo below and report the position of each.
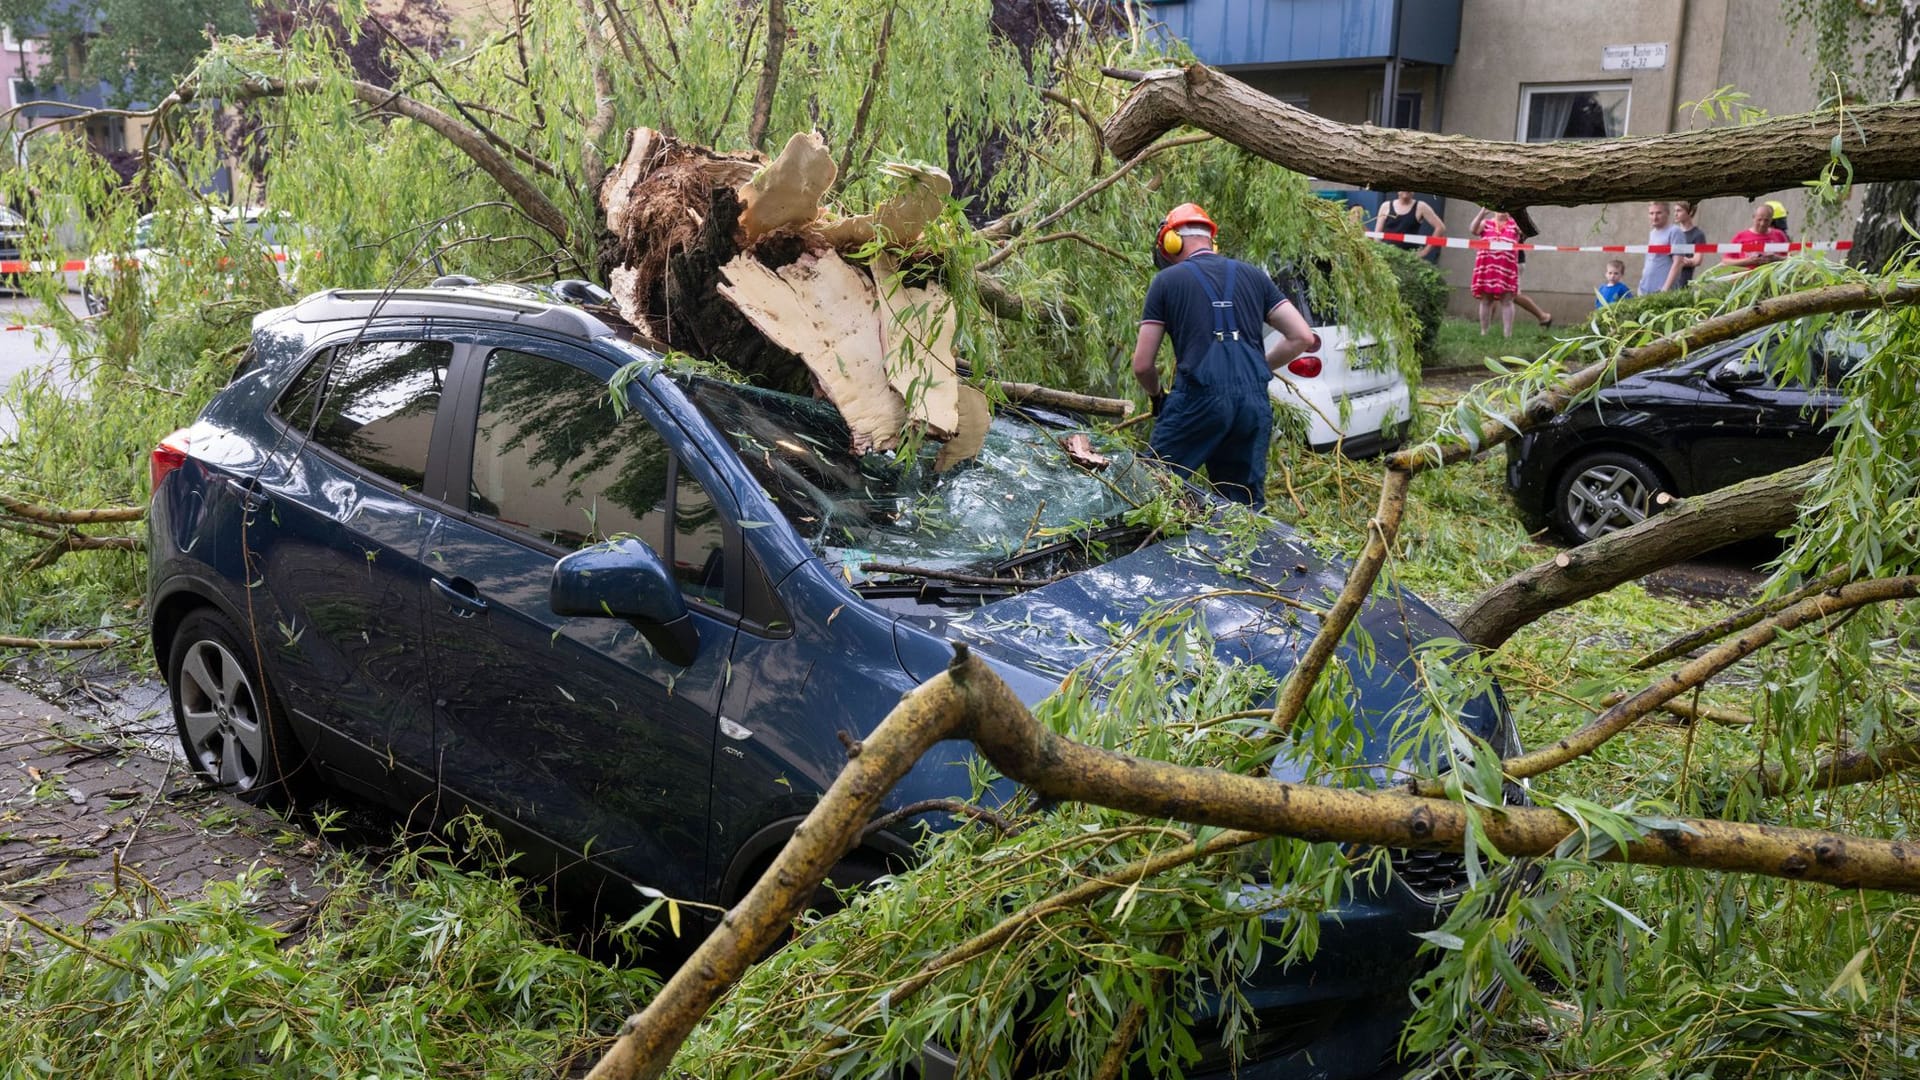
(1084, 543)
(940, 586)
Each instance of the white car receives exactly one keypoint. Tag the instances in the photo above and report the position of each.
(1350, 399)
(271, 229)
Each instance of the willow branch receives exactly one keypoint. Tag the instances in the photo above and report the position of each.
(1619, 717)
(1761, 506)
(969, 701)
(8, 641)
(1882, 142)
(1839, 769)
(762, 113)
(50, 516)
(525, 156)
(70, 541)
(1689, 712)
(1739, 620)
(1012, 229)
(874, 75)
(1353, 596)
(593, 163)
(1660, 352)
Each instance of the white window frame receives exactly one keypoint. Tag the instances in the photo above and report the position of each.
(11, 43)
(1527, 90)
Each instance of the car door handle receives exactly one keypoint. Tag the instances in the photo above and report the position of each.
(462, 598)
(249, 493)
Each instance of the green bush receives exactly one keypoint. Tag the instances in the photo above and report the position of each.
(1423, 289)
(1697, 300)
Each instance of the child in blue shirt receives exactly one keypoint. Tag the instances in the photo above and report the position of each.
(1615, 290)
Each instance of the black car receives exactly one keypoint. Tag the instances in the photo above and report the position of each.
(1716, 418)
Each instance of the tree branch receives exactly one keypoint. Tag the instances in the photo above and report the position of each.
(1739, 620)
(1882, 142)
(49, 516)
(762, 114)
(1761, 506)
(593, 162)
(1013, 230)
(1619, 717)
(874, 74)
(969, 701)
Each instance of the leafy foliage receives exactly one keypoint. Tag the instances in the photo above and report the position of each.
(418, 970)
(138, 48)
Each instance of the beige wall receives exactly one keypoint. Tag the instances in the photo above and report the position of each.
(1349, 95)
(1505, 44)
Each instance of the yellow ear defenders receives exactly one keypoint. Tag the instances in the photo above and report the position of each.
(1171, 242)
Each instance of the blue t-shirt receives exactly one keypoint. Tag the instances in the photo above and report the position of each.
(1175, 300)
(1611, 294)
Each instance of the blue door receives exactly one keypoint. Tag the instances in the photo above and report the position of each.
(573, 732)
(332, 544)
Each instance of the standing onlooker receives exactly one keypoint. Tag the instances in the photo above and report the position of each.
(1779, 216)
(1496, 274)
(1683, 210)
(1615, 289)
(1761, 232)
(1661, 271)
(1404, 214)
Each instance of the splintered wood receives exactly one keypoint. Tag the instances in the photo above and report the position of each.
(875, 339)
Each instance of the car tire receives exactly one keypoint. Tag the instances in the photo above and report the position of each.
(230, 724)
(90, 294)
(1603, 493)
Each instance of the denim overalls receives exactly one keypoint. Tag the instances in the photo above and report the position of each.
(1218, 414)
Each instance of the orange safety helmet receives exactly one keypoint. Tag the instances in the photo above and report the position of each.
(1169, 241)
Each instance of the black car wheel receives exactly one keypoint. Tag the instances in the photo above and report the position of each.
(95, 299)
(1603, 493)
(232, 729)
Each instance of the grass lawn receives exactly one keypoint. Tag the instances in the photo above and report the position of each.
(1460, 343)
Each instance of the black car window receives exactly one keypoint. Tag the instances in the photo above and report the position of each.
(375, 404)
(552, 458)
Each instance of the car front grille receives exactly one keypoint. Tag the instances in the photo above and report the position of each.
(1432, 875)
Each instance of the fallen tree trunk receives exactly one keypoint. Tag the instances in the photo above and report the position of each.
(1752, 508)
(969, 701)
(1882, 142)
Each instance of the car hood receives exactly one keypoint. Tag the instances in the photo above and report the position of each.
(1049, 631)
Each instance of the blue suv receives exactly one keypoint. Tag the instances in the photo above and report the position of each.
(473, 548)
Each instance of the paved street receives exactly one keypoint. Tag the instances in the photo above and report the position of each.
(93, 826)
(20, 351)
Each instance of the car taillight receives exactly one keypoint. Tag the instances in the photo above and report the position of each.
(168, 456)
(1305, 366)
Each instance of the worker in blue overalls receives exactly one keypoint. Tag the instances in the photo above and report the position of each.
(1217, 310)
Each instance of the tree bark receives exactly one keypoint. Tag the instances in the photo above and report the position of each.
(1882, 142)
(1758, 507)
(969, 701)
(762, 114)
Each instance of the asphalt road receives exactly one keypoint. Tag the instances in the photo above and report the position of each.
(23, 355)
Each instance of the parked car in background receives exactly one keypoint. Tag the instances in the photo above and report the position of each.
(1350, 398)
(414, 550)
(13, 234)
(273, 230)
(1716, 418)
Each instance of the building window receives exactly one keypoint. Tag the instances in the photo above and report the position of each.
(1406, 109)
(1591, 111)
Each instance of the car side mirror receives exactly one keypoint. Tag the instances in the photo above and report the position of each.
(1734, 376)
(624, 579)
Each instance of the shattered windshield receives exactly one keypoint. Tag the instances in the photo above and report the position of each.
(1023, 495)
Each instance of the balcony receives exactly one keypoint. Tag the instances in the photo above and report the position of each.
(1253, 34)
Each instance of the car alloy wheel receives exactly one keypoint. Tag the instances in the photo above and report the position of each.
(226, 720)
(1603, 494)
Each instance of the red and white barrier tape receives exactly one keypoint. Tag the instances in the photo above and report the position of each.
(1747, 248)
(16, 266)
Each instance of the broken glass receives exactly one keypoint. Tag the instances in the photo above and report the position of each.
(1022, 494)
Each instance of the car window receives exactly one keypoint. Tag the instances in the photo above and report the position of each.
(372, 403)
(552, 458)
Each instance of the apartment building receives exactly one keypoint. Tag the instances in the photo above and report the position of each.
(1526, 70)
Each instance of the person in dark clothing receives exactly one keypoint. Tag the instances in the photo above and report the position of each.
(1217, 310)
(1683, 211)
(1404, 214)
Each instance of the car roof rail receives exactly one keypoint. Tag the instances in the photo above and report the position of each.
(448, 303)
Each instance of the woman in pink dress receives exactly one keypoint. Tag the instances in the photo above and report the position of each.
(1496, 274)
